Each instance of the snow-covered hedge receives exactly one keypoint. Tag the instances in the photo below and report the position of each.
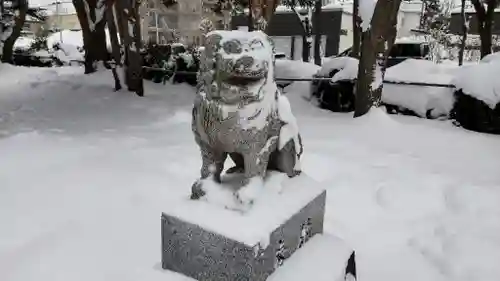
(346, 69)
(477, 105)
(423, 101)
(480, 81)
(171, 59)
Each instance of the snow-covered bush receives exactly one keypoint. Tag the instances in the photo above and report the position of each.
(169, 59)
(337, 93)
(423, 101)
(477, 105)
(398, 94)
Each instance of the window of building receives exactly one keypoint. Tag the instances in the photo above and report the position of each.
(169, 21)
(152, 19)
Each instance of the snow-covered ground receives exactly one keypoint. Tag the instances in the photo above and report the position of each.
(85, 173)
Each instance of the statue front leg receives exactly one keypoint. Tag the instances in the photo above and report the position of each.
(255, 171)
(212, 165)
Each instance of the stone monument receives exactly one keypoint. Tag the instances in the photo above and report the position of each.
(246, 223)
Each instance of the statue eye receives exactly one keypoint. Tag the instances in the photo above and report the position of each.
(232, 47)
(256, 44)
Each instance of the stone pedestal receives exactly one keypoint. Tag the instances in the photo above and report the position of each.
(204, 241)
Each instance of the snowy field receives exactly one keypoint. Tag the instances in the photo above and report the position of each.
(85, 173)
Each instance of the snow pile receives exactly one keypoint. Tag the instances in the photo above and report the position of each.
(479, 81)
(337, 63)
(490, 58)
(69, 37)
(73, 38)
(438, 101)
(71, 47)
(294, 69)
(347, 68)
(23, 43)
(421, 71)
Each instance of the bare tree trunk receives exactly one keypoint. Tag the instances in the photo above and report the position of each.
(486, 32)
(20, 17)
(464, 34)
(94, 37)
(87, 36)
(133, 60)
(119, 20)
(356, 30)
(376, 44)
(306, 41)
(262, 12)
(2, 27)
(250, 15)
(115, 44)
(317, 32)
(485, 23)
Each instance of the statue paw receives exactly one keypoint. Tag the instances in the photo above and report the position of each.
(197, 191)
(247, 194)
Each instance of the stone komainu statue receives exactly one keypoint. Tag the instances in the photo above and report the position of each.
(240, 112)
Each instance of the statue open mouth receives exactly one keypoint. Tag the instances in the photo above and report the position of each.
(242, 80)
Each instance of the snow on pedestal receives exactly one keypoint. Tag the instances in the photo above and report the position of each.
(209, 240)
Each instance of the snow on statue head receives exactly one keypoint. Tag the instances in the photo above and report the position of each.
(239, 112)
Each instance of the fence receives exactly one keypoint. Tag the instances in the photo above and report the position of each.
(283, 80)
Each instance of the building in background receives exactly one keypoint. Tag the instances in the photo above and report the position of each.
(61, 15)
(176, 23)
(286, 30)
(456, 20)
(336, 27)
(32, 27)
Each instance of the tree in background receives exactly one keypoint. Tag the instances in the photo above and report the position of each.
(379, 34)
(94, 16)
(221, 11)
(317, 32)
(91, 15)
(435, 22)
(465, 30)
(131, 22)
(304, 9)
(356, 30)
(484, 18)
(12, 18)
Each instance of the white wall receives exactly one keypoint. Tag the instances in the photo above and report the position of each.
(408, 19)
(345, 41)
(283, 44)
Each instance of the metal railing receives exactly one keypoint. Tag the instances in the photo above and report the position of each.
(285, 79)
(282, 79)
